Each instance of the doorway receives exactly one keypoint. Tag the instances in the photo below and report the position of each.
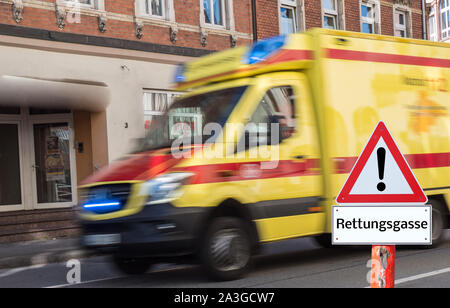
(37, 159)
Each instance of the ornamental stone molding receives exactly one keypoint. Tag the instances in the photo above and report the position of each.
(102, 19)
(17, 10)
(173, 34)
(403, 2)
(233, 40)
(61, 15)
(203, 37)
(139, 27)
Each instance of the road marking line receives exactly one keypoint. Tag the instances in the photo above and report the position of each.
(20, 269)
(181, 267)
(83, 282)
(421, 276)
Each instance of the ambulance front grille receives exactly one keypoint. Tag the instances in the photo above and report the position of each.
(113, 192)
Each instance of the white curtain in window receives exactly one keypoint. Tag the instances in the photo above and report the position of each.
(160, 102)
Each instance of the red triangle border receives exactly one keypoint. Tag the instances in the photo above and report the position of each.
(417, 197)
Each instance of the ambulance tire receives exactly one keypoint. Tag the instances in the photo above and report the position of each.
(439, 222)
(324, 240)
(225, 252)
(132, 266)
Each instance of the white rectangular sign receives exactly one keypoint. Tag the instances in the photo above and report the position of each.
(382, 225)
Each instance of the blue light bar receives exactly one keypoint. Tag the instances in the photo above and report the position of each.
(262, 50)
(102, 206)
(179, 73)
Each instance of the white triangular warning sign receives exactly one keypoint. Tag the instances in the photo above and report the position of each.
(381, 175)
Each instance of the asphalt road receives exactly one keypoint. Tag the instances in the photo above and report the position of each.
(294, 263)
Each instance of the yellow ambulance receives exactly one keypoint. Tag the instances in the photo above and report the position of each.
(261, 144)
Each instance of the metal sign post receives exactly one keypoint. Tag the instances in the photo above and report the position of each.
(383, 267)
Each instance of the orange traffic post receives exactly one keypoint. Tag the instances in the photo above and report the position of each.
(383, 267)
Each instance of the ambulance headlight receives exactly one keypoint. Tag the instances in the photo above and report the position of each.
(165, 188)
(262, 50)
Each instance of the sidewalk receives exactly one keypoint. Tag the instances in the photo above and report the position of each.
(41, 252)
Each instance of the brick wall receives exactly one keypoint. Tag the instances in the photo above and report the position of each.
(417, 28)
(187, 14)
(243, 16)
(268, 16)
(352, 15)
(120, 6)
(313, 14)
(387, 20)
(120, 23)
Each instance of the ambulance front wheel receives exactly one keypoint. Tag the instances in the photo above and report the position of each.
(439, 223)
(226, 249)
(324, 240)
(132, 266)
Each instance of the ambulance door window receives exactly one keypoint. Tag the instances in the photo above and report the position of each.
(273, 120)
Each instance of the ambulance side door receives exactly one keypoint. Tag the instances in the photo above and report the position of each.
(289, 184)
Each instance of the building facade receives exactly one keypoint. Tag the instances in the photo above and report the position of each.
(80, 81)
(438, 14)
(402, 18)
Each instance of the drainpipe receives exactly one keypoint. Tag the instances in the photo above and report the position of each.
(424, 20)
(255, 29)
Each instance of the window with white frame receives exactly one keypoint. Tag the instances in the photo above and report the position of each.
(400, 23)
(330, 14)
(83, 3)
(88, 2)
(214, 12)
(368, 17)
(288, 16)
(432, 25)
(155, 105)
(154, 8)
(445, 18)
(159, 9)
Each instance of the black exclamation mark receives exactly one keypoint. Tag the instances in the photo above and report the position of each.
(381, 155)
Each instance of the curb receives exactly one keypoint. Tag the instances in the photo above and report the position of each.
(45, 258)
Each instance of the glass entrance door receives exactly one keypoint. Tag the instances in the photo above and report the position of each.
(53, 165)
(37, 159)
(10, 166)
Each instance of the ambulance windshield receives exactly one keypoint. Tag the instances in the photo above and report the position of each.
(198, 118)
